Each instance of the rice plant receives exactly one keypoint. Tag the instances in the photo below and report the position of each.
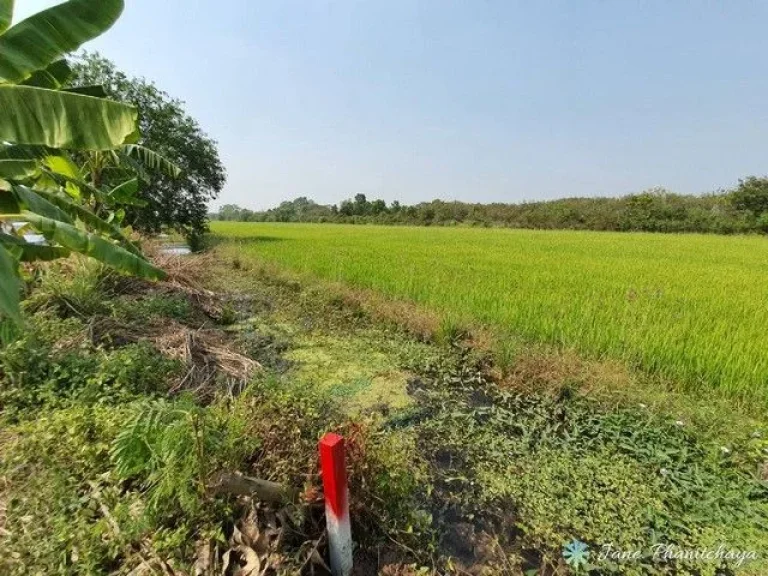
(689, 307)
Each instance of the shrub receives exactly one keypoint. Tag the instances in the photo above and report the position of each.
(53, 364)
(171, 447)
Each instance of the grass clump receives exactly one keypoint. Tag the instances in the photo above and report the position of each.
(153, 306)
(72, 287)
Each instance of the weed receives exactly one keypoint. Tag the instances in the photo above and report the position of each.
(228, 315)
(39, 373)
(53, 525)
(565, 467)
(152, 306)
(506, 353)
(171, 448)
(73, 287)
(390, 483)
(450, 331)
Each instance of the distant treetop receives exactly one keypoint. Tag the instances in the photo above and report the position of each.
(742, 210)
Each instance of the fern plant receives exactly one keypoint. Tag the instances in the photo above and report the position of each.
(166, 446)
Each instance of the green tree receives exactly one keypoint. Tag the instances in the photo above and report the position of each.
(751, 195)
(179, 203)
(230, 212)
(360, 206)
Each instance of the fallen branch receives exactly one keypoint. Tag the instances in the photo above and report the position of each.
(264, 490)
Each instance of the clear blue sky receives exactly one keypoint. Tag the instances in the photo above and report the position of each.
(478, 100)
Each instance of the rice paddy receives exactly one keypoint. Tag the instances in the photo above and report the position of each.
(691, 308)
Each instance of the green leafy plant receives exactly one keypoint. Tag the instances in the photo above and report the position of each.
(40, 116)
(171, 447)
(165, 445)
(563, 467)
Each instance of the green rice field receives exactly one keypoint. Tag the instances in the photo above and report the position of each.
(692, 308)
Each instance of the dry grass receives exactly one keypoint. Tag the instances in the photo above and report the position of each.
(206, 355)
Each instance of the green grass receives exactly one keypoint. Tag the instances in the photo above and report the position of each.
(688, 307)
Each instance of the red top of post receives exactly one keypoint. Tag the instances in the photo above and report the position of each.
(333, 465)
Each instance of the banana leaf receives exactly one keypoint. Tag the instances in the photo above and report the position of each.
(95, 90)
(27, 252)
(91, 220)
(6, 14)
(18, 169)
(8, 202)
(65, 180)
(43, 38)
(92, 245)
(34, 201)
(63, 165)
(53, 77)
(125, 193)
(37, 116)
(9, 285)
(152, 160)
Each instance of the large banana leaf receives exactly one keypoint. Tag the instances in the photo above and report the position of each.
(45, 37)
(34, 202)
(89, 219)
(52, 77)
(14, 152)
(65, 120)
(63, 165)
(6, 14)
(9, 285)
(27, 252)
(91, 245)
(125, 193)
(17, 169)
(152, 160)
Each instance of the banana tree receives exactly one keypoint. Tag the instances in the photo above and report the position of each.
(39, 118)
(132, 156)
(106, 181)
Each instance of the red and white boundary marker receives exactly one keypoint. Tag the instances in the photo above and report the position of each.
(333, 465)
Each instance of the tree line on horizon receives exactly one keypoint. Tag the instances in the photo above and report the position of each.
(741, 210)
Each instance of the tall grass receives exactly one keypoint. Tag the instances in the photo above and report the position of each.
(690, 307)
